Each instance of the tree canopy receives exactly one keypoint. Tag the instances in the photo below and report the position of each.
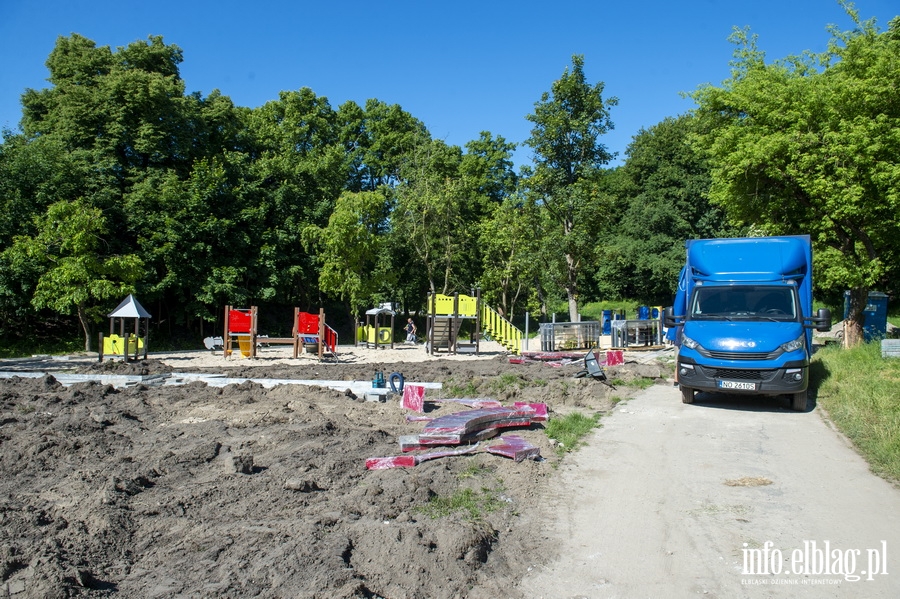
(568, 155)
(809, 144)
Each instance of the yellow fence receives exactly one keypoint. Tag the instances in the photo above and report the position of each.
(502, 330)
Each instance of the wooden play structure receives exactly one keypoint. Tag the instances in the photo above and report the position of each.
(240, 327)
(122, 344)
(449, 315)
(308, 330)
(374, 334)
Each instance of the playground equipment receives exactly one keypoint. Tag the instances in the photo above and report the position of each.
(311, 329)
(374, 334)
(447, 314)
(122, 345)
(241, 324)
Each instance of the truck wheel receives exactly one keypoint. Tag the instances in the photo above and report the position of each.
(687, 395)
(798, 401)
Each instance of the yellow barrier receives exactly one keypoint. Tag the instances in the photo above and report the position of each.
(367, 333)
(443, 305)
(114, 345)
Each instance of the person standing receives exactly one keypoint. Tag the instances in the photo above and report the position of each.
(410, 329)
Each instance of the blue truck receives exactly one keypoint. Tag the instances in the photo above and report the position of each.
(742, 317)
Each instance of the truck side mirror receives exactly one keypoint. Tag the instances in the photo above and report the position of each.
(823, 320)
(669, 317)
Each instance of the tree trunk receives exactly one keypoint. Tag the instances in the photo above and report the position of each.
(572, 287)
(853, 325)
(85, 327)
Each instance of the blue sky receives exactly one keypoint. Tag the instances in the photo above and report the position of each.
(461, 67)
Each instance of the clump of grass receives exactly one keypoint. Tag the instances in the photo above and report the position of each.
(861, 392)
(475, 469)
(466, 389)
(473, 504)
(643, 382)
(569, 430)
(505, 381)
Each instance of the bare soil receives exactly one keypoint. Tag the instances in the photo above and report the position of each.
(245, 491)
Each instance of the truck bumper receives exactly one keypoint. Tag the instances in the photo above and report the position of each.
(791, 377)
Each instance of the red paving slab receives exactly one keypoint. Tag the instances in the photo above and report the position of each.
(515, 447)
(413, 398)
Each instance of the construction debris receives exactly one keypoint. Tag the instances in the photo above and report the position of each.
(473, 403)
(466, 427)
(408, 461)
(413, 398)
(515, 447)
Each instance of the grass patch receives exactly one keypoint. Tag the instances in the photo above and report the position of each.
(861, 392)
(31, 347)
(643, 382)
(505, 381)
(474, 470)
(454, 389)
(594, 310)
(569, 430)
(473, 504)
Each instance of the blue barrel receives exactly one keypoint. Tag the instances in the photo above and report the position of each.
(605, 321)
(643, 313)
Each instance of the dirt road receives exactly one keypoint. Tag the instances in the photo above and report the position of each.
(711, 500)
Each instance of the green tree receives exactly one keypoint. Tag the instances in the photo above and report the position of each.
(119, 112)
(377, 140)
(77, 272)
(33, 175)
(436, 214)
(121, 119)
(809, 144)
(661, 196)
(488, 164)
(568, 122)
(510, 249)
(350, 248)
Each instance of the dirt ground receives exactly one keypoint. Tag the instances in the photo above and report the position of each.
(246, 491)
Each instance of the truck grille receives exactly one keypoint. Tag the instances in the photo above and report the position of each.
(728, 355)
(732, 374)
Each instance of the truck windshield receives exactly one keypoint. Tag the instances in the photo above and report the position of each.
(744, 302)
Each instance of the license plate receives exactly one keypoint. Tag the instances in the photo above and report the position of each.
(737, 385)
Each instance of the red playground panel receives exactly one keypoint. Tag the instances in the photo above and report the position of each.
(307, 324)
(239, 321)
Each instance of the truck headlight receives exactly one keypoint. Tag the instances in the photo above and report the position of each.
(689, 343)
(794, 345)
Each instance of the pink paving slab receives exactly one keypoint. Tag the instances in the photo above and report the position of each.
(413, 398)
(515, 447)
